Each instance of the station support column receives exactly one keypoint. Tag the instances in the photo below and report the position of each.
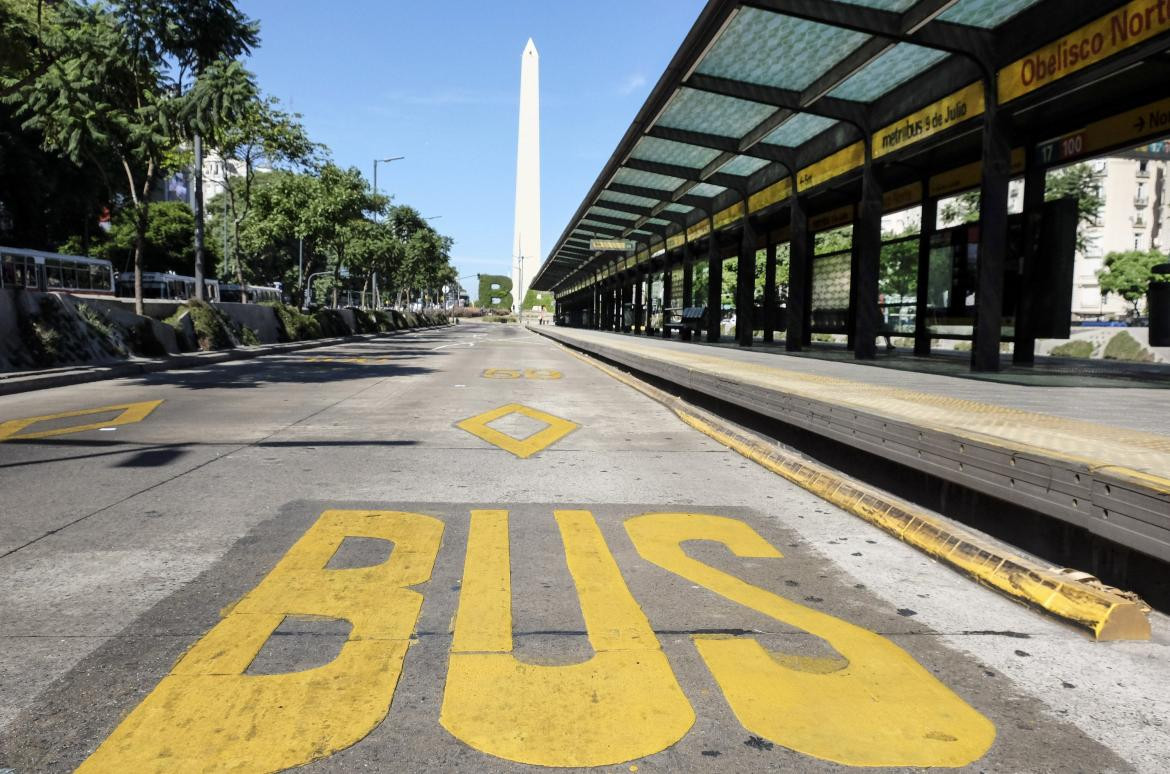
(647, 326)
(799, 275)
(993, 232)
(714, 286)
(922, 301)
(639, 316)
(769, 321)
(667, 294)
(688, 283)
(867, 247)
(1035, 183)
(745, 283)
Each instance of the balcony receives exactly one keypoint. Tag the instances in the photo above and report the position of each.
(1143, 174)
(1141, 200)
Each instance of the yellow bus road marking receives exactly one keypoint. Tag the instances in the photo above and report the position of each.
(208, 715)
(623, 703)
(867, 703)
(131, 413)
(876, 706)
(556, 429)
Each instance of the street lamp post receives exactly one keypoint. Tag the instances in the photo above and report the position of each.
(376, 163)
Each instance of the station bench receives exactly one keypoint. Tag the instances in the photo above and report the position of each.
(691, 319)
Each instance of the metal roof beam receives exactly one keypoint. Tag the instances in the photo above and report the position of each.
(701, 139)
(663, 196)
(916, 25)
(828, 107)
(689, 174)
(623, 225)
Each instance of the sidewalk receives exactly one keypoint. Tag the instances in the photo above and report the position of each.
(1096, 456)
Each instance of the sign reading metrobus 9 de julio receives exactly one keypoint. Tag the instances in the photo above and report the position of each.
(1127, 26)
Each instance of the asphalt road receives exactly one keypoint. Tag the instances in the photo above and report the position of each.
(467, 550)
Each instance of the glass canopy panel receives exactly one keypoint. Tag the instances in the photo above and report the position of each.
(678, 208)
(884, 5)
(623, 198)
(658, 222)
(702, 111)
(985, 13)
(647, 179)
(597, 223)
(895, 67)
(743, 165)
(798, 130)
(613, 213)
(671, 152)
(774, 50)
(707, 189)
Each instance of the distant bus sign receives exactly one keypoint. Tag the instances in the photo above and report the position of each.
(611, 244)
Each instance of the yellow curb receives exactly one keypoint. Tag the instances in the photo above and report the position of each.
(1107, 614)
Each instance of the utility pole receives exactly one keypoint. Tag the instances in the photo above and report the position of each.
(199, 290)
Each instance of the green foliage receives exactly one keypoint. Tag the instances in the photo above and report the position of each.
(898, 270)
(331, 323)
(1128, 274)
(1125, 347)
(1077, 181)
(541, 298)
(169, 245)
(295, 324)
(212, 330)
(502, 291)
(835, 241)
(1075, 348)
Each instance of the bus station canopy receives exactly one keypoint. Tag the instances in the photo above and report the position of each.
(769, 97)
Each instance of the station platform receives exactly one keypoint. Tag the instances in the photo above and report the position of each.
(1087, 446)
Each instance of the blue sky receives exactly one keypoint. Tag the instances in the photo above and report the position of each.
(438, 82)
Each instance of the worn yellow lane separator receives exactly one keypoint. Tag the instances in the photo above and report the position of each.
(1108, 613)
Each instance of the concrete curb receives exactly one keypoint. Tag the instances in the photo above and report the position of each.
(1107, 613)
(13, 385)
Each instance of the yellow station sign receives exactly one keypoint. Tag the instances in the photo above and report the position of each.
(954, 109)
(1095, 42)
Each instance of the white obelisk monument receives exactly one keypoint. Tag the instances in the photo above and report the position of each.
(526, 255)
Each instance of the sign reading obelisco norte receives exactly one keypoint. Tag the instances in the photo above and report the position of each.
(1098, 40)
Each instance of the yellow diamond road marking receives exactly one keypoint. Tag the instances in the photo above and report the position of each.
(523, 448)
(131, 413)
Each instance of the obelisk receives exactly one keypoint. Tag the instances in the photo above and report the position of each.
(526, 255)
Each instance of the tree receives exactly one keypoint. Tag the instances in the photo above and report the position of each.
(1078, 181)
(261, 133)
(1128, 274)
(104, 95)
(203, 37)
(170, 238)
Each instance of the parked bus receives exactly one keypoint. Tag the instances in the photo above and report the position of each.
(166, 285)
(52, 272)
(230, 291)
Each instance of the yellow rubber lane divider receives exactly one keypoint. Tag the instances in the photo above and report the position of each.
(622, 704)
(871, 704)
(523, 448)
(208, 715)
(1107, 613)
(131, 413)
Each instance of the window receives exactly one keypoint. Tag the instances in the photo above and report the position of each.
(1137, 241)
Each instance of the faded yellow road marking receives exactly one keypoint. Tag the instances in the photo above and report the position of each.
(131, 413)
(350, 360)
(880, 708)
(523, 448)
(208, 715)
(534, 374)
(621, 704)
